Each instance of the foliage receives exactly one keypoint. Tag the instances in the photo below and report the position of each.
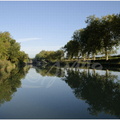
(10, 50)
(50, 55)
(101, 35)
(72, 48)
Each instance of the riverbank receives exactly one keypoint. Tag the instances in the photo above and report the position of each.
(95, 64)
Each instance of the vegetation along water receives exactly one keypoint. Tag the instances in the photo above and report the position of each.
(72, 82)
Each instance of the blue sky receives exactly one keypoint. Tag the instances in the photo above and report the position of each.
(49, 25)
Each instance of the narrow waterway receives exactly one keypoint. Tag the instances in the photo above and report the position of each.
(60, 93)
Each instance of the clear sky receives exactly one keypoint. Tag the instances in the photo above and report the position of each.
(49, 25)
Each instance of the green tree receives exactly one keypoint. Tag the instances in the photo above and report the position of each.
(59, 54)
(49, 55)
(77, 35)
(101, 34)
(10, 49)
(23, 57)
(4, 44)
(13, 51)
(104, 31)
(92, 34)
(109, 38)
(72, 48)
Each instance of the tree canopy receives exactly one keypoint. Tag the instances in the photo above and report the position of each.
(101, 35)
(10, 49)
(50, 55)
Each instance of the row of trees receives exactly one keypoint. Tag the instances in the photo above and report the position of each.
(49, 55)
(10, 49)
(101, 36)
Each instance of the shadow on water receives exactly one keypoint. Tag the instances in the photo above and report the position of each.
(9, 82)
(100, 91)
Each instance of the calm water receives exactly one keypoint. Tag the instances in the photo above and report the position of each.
(60, 93)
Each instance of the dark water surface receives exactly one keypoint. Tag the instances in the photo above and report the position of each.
(60, 93)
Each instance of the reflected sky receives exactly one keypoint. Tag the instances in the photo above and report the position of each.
(80, 93)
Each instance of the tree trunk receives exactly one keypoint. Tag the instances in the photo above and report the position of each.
(88, 55)
(94, 57)
(106, 54)
(72, 56)
(79, 54)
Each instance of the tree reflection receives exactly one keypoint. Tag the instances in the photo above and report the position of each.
(99, 91)
(50, 71)
(9, 82)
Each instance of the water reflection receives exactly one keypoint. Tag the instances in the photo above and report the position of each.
(50, 71)
(9, 82)
(99, 91)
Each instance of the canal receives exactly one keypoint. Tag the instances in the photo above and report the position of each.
(33, 92)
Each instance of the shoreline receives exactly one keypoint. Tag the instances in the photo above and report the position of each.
(97, 64)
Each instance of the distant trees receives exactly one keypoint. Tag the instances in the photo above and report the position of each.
(101, 35)
(50, 55)
(10, 50)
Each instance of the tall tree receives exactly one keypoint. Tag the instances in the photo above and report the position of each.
(93, 35)
(72, 48)
(104, 32)
(109, 39)
(77, 35)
